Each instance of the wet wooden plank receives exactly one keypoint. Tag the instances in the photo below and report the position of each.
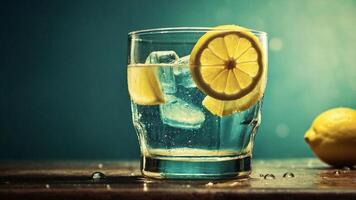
(73, 180)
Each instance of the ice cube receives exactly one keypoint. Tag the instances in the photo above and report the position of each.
(183, 61)
(180, 114)
(182, 73)
(165, 73)
(162, 57)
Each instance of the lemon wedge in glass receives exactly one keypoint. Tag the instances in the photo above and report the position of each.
(144, 86)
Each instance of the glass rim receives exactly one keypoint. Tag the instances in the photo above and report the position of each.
(185, 30)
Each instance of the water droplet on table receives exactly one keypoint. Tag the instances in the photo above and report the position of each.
(269, 176)
(288, 175)
(336, 173)
(209, 184)
(346, 169)
(98, 176)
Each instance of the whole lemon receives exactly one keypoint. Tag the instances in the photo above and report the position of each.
(332, 137)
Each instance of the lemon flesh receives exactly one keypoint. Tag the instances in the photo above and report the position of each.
(228, 64)
(144, 86)
(223, 108)
(332, 137)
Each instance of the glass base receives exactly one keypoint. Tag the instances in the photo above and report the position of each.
(195, 168)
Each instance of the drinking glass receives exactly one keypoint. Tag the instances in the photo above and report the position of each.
(178, 137)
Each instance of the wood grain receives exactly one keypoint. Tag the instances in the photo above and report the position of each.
(72, 180)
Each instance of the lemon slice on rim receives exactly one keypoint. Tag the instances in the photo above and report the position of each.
(143, 84)
(228, 64)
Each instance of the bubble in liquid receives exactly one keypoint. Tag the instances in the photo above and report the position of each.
(288, 175)
(269, 176)
(98, 176)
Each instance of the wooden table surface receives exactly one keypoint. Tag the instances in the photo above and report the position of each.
(73, 180)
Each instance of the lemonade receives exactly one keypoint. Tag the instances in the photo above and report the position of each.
(196, 114)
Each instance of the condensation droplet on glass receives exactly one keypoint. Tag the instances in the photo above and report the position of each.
(209, 184)
(47, 186)
(100, 165)
(98, 176)
(288, 175)
(269, 176)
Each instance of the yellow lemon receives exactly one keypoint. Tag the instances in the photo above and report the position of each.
(144, 86)
(332, 137)
(228, 64)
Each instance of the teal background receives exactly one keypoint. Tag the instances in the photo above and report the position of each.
(63, 70)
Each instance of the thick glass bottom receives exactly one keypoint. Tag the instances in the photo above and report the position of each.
(195, 168)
